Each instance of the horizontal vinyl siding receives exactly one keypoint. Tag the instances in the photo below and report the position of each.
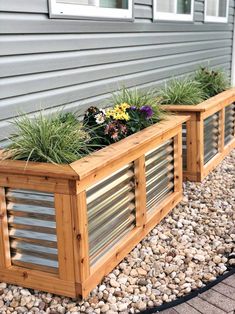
(48, 63)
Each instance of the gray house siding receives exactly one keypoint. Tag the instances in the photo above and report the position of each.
(49, 63)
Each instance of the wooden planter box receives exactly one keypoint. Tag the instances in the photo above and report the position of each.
(64, 227)
(208, 136)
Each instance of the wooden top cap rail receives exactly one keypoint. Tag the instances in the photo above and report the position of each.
(37, 169)
(225, 98)
(85, 166)
(128, 146)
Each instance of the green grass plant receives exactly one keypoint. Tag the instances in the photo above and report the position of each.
(58, 138)
(212, 82)
(181, 92)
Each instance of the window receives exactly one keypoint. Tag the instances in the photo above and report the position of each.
(109, 9)
(181, 10)
(216, 11)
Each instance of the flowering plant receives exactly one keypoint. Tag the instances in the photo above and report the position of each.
(116, 123)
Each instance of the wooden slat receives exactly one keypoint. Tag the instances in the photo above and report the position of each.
(64, 237)
(99, 164)
(200, 146)
(140, 191)
(183, 108)
(38, 183)
(37, 169)
(97, 160)
(222, 99)
(221, 130)
(214, 103)
(5, 256)
(111, 166)
(192, 156)
(35, 279)
(189, 176)
(80, 236)
(178, 163)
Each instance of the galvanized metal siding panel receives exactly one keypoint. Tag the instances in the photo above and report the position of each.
(47, 63)
(111, 211)
(184, 145)
(32, 229)
(159, 174)
(229, 131)
(211, 137)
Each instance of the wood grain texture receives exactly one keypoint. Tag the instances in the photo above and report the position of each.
(140, 192)
(64, 236)
(129, 149)
(80, 237)
(38, 183)
(36, 169)
(196, 170)
(219, 101)
(5, 256)
(221, 130)
(40, 280)
(178, 163)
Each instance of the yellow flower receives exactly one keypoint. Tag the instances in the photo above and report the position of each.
(124, 106)
(119, 112)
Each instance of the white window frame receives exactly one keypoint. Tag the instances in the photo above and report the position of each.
(64, 10)
(173, 16)
(216, 19)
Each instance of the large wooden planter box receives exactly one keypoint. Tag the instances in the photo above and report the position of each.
(208, 136)
(63, 228)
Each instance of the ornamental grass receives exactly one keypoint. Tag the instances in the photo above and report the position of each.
(182, 92)
(58, 138)
(212, 82)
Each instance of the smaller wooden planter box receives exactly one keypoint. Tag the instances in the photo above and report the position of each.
(208, 136)
(63, 228)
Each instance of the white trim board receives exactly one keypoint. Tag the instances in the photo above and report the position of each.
(172, 16)
(72, 10)
(216, 19)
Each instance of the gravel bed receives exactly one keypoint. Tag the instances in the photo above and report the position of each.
(187, 249)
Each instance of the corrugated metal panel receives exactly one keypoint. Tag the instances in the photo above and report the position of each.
(111, 210)
(159, 173)
(211, 137)
(184, 145)
(32, 229)
(229, 131)
(48, 63)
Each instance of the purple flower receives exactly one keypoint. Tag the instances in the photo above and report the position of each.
(133, 107)
(147, 110)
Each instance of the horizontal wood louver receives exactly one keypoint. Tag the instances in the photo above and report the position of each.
(229, 127)
(111, 210)
(211, 137)
(159, 173)
(32, 229)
